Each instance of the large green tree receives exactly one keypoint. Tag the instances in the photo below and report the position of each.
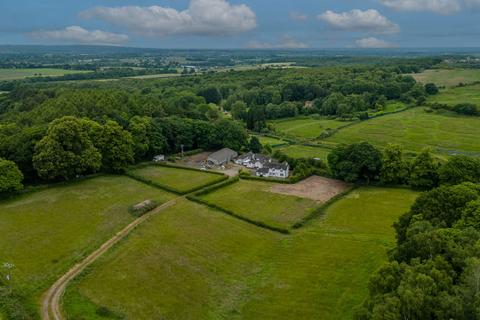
(358, 161)
(394, 169)
(460, 169)
(10, 177)
(116, 146)
(66, 151)
(424, 171)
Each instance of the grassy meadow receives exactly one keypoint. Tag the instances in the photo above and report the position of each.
(44, 232)
(271, 141)
(415, 129)
(197, 263)
(16, 74)
(181, 180)
(470, 94)
(299, 151)
(253, 200)
(190, 262)
(448, 77)
(306, 128)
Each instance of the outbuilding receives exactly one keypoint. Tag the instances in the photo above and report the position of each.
(222, 157)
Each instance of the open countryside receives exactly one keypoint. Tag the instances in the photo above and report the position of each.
(144, 183)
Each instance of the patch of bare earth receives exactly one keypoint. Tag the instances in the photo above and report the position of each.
(315, 188)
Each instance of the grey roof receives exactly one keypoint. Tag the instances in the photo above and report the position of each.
(244, 156)
(278, 166)
(261, 158)
(223, 154)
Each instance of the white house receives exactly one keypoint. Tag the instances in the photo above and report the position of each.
(253, 160)
(275, 170)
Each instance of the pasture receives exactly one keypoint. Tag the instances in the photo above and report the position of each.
(45, 232)
(453, 96)
(255, 201)
(446, 133)
(197, 263)
(306, 128)
(180, 180)
(270, 141)
(189, 262)
(16, 74)
(299, 151)
(448, 77)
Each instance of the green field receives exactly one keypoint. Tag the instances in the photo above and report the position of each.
(181, 180)
(43, 233)
(448, 77)
(271, 141)
(192, 262)
(299, 151)
(15, 74)
(306, 128)
(416, 129)
(253, 200)
(470, 94)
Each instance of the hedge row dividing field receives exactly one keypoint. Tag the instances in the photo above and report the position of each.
(193, 262)
(44, 233)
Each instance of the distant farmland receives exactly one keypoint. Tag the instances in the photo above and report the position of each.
(17, 74)
(448, 78)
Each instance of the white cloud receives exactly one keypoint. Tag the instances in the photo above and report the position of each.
(436, 6)
(372, 43)
(285, 43)
(357, 20)
(297, 16)
(202, 17)
(78, 34)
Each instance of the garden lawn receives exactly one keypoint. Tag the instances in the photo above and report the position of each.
(299, 151)
(192, 262)
(181, 180)
(189, 262)
(15, 74)
(453, 96)
(253, 200)
(44, 233)
(306, 128)
(448, 77)
(415, 129)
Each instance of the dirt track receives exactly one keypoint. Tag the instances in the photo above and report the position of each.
(315, 188)
(50, 307)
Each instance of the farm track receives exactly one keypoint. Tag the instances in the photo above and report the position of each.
(50, 303)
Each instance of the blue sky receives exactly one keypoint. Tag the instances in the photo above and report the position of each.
(243, 23)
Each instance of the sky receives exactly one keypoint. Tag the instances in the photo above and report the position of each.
(258, 24)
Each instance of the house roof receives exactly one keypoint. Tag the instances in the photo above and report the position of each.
(223, 154)
(278, 166)
(245, 156)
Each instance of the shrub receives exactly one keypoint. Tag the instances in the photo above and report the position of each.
(10, 177)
